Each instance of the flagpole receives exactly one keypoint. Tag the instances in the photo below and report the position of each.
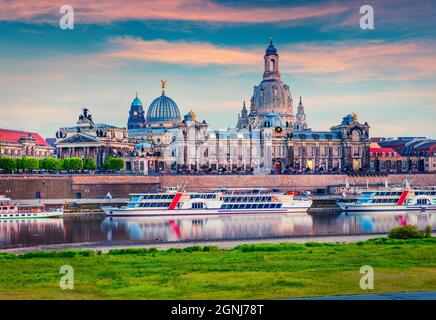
(108, 195)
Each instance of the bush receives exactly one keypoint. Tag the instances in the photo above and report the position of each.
(30, 163)
(49, 254)
(73, 164)
(51, 164)
(7, 164)
(132, 251)
(405, 232)
(89, 164)
(269, 247)
(113, 164)
(19, 164)
(427, 231)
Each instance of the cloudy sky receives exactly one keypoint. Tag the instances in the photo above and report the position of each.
(211, 54)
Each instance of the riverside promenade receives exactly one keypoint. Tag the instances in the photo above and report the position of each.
(87, 186)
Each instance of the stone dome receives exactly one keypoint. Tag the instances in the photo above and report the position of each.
(163, 109)
(271, 50)
(273, 96)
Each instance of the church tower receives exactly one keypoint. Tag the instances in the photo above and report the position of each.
(301, 120)
(243, 120)
(136, 115)
(271, 63)
(272, 95)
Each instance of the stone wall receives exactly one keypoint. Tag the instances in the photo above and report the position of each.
(91, 186)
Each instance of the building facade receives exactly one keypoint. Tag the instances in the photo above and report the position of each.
(89, 140)
(268, 137)
(418, 154)
(17, 144)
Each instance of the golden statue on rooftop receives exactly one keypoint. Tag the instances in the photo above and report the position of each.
(193, 116)
(355, 118)
(164, 85)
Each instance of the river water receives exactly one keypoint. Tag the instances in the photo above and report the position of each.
(23, 233)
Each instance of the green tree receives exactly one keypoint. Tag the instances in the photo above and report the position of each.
(73, 164)
(31, 163)
(89, 164)
(117, 164)
(51, 164)
(7, 164)
(19, 164)
(41, 163)
(113, 164)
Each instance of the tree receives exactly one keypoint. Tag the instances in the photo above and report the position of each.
(51, 164)
(113, 164)
(117, 164)
(19, 164)
(73, 164)
(31, 163)
(7, 164)
(89, 164)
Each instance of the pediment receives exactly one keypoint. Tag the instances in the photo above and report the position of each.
(79, 138)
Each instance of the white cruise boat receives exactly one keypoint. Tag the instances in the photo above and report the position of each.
(392, 199)
(173, 203)
(13, 211)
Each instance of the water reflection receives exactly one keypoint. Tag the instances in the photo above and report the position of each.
(92, 229)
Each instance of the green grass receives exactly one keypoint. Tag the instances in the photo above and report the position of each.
(261, 271)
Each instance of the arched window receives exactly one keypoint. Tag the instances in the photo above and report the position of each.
(272, 64)
(355, 135)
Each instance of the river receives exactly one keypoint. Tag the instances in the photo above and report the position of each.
(77, 229)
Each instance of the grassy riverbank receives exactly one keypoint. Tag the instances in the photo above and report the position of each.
(261, 271)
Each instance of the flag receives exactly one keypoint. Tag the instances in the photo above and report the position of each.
(109, 195)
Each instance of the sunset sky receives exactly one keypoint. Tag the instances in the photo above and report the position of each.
(211, 54)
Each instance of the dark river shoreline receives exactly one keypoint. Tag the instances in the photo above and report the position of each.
(95, 228)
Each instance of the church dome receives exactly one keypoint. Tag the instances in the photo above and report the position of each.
(163, 109)
(273, 96)
(271, 50)
(273, 120)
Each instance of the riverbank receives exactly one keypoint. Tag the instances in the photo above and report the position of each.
(250, 271)
(105, 246)
(64, 186)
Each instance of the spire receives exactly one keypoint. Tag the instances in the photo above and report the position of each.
(136, 95)
(270, 40)
(244, 111)
(301, 123)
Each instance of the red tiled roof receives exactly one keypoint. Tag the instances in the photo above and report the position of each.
(14, 136)
(385, 150)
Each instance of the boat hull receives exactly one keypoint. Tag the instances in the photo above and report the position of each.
(27, 216)
(350, 207)
(120, 212)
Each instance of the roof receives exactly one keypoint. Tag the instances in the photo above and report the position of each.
(14, 136)
(386, 151)
(163, 109)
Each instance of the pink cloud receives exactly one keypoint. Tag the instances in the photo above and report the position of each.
(187, 10)
(373, 60)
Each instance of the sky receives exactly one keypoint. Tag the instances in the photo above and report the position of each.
(211, 54)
